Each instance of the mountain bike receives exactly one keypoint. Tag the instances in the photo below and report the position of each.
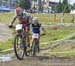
(35, 43)
(20, 42)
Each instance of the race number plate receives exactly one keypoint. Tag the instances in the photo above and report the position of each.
(18, 26)
(35, 35)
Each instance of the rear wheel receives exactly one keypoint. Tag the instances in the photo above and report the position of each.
(19, 47)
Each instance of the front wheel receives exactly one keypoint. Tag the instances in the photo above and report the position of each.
(34, 47)
(19, 47)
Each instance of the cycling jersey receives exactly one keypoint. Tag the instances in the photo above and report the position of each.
(23, 19)
(36, 28)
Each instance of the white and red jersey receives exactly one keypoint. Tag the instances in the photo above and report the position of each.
(22, 19)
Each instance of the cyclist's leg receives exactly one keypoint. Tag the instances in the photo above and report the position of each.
(27, 36)
(28, 39)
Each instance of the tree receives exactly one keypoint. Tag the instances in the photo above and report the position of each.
(73, 7)
(39, 5)
(65, 6)
(58, 7)
(26, 4)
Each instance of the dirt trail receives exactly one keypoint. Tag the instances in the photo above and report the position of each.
(41, 61)
(5, 32)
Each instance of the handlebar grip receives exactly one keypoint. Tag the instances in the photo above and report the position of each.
(43, 34)
(10, 26)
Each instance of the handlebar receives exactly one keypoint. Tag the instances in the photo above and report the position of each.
(11, 26)
(43, 34)
(24, 25)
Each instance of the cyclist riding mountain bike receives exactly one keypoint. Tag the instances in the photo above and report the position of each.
(23, 18)
(36, 26)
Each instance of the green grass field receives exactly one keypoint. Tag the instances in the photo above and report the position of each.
(51, 34)
(44, 18)
(51, 19)
(64, 50)
(6, 44)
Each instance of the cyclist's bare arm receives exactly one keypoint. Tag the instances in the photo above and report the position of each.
(13, 20)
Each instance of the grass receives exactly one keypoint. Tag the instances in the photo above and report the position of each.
(56, 34)
(51, 19)
(6, 45)
(67, 47)
(44, 18)
(51, 34)
(6, 17)
(65, 50)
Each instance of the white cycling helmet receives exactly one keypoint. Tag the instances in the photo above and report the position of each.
(35, 20)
